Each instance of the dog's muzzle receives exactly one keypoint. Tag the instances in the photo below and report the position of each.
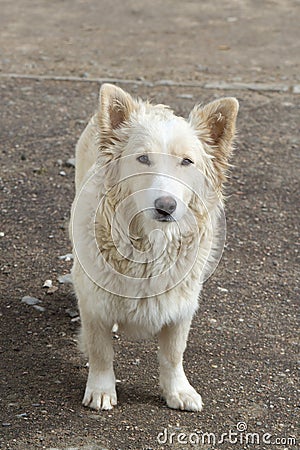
(164, 207)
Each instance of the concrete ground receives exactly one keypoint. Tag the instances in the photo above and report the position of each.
(243, 352)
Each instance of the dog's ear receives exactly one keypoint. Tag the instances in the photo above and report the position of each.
(115, 107)
(215, 125)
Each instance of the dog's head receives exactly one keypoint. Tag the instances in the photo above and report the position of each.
(161, 161)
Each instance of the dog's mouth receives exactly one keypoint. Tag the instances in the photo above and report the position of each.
(162, 216)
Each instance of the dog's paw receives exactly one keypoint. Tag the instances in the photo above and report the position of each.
(100, 392)
(186, 400)
(99, 399)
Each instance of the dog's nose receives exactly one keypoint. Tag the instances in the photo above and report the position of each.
(165, 205)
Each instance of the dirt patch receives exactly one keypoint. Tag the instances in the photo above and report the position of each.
(242, 353)
(241, 40)
(242, 349)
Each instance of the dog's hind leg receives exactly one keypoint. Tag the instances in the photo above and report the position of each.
(100, 392)
(176, 389)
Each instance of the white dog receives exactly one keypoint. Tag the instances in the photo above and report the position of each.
(146, 231)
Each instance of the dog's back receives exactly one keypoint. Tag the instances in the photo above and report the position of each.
(86, 151)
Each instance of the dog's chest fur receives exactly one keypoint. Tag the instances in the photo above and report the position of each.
(150, 298)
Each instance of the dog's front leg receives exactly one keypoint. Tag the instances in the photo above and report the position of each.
(100, 392)
(176, 389)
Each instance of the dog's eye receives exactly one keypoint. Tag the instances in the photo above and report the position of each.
(144, 159)
(186, 162)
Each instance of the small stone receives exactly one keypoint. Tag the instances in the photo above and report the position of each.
(39, 308)
(72, 312)
(224, 47)
(51, 290)
(62, 173)
(47, 284)
(185, 96)
(71, 162)
(30, 300)
(59, 162)
(75, 319)
(222, 289)
(6, 424)
(232, 19)
(296, 89)
(115, 328)
(165, 83)
(67, 257)
(202, 68)
(2, 234)
(21, 415)
(65, 279)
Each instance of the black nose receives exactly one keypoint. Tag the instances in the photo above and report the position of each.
(165, 205)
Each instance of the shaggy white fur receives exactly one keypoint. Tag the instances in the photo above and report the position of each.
(147, 229)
